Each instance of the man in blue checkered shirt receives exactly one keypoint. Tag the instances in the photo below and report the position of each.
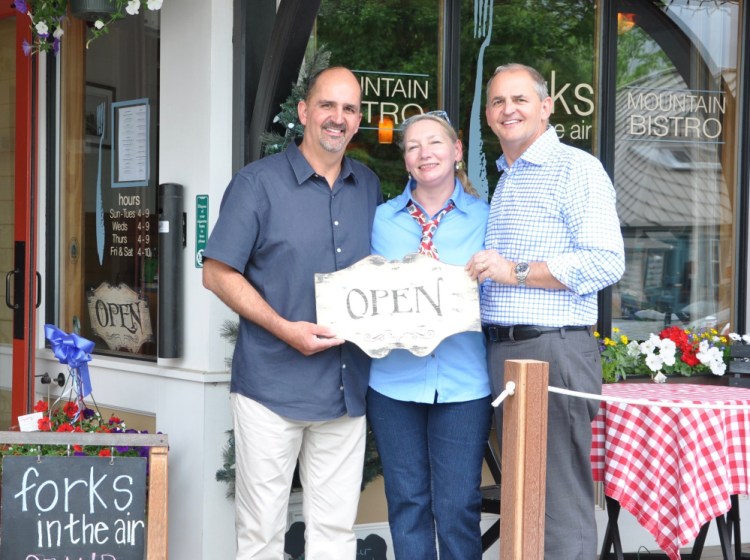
(553, 241)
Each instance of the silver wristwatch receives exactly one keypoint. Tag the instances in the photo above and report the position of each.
(522, 271)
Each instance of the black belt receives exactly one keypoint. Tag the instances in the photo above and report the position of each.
(516, 333)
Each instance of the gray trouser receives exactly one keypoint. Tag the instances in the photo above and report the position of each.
(574, 363)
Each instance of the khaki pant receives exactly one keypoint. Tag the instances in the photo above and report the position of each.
(331, 455)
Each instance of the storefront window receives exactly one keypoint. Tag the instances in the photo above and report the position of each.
(675, 164)
(113, 299)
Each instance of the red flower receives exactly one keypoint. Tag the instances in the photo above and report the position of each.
(105, 452)
(78, 448)
(690, 358)
(64, 428)
(71, 409)
(44, 425)
(41, 406)
(685, 344)
(677, 335)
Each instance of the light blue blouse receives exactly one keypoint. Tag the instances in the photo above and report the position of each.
(456, 371)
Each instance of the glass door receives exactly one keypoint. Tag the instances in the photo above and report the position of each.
(17, 254)
(675, 164)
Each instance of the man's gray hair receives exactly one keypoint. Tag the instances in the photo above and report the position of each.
(540, 84)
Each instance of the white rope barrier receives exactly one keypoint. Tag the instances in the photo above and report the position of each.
(644, 402)
(510, 389)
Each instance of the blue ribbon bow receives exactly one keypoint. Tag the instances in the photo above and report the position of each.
(75, 351)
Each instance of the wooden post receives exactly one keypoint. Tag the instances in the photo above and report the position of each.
(156, 538)
(524, 461)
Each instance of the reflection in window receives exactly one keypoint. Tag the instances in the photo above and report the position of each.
(393, 47)
(674, 166)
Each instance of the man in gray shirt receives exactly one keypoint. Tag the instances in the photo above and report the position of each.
(297, 390)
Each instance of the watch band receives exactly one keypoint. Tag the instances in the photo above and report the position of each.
(522, 271)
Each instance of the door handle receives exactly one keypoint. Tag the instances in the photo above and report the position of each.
(8, 289)
(38, 290)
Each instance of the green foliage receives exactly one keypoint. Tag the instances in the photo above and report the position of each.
(230, 330)
(226, 473)
(620, 357)
(288, 119)
(638, 56)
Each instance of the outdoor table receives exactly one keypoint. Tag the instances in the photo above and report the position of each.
(674, 469)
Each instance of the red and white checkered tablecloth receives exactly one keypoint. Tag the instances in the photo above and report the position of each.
(673, 469)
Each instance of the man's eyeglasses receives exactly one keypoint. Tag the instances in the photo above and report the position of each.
(441, 114)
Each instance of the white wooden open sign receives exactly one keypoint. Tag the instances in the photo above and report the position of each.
(412, 304)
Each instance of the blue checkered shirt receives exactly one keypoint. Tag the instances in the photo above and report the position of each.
(556, 204)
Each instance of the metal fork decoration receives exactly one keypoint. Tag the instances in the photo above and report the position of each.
(477, 168)
(101, 120)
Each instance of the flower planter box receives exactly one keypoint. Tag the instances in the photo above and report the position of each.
(698, 379)
(738, 368)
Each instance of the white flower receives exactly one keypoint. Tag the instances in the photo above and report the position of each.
(667, 351)
(98, 24)
(746, 338)
(154, 4)
(702, 347)
(57, 33)
(654, 362)
(648, 346)
(734, 336)
(718, 367)
(632, 349)
(41, 29)
(660, 378)
(133, 7)
(707, 354)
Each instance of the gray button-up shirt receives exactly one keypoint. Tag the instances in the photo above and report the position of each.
(279, 224)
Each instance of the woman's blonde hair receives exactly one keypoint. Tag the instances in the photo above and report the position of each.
(451, 133)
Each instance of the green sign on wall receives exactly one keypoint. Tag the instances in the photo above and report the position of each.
(201, 228)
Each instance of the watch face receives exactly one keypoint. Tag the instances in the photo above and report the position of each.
(522, 268)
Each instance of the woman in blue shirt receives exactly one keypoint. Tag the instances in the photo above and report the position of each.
(431, 415)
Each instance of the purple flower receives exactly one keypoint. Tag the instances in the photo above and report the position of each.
(21, 6)
(26, 47)
(56, 46)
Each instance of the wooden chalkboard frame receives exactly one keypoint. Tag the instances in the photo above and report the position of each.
(158, 444)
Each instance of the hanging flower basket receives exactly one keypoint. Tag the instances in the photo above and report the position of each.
(91, 10)
(46, 18)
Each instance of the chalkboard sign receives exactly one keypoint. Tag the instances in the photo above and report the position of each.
(73, 507)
